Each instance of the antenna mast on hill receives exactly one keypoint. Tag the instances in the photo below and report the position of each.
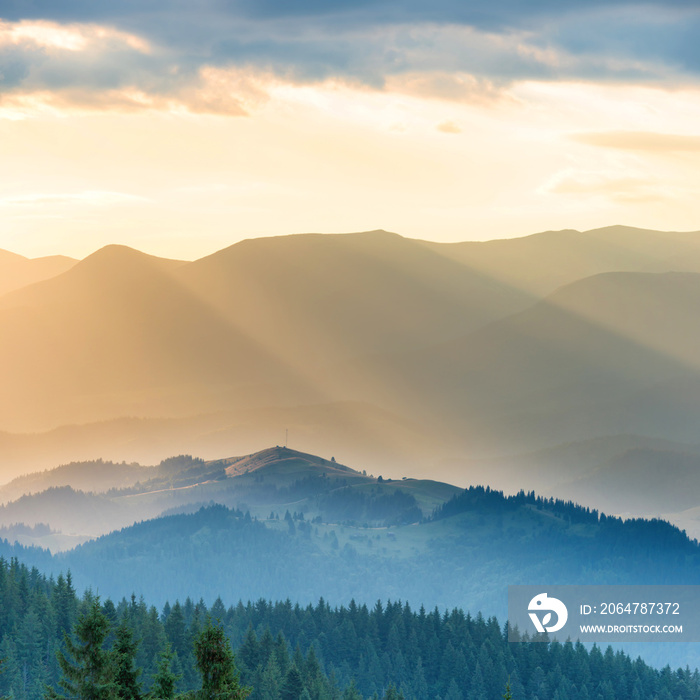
(286, 436)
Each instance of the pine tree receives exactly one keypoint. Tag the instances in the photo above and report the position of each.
(351, 692)
(175, 629)
(311, 672)
(508, 695)
(126, 676)
(165, 679)
(393, 694)
(249, 652)
(293, 684)
(453, 691)
(30, 646)
(216, 665)
(478, 687)
(281, 653)
(177, 635)
(88, 673)
(271, 680)
(9, 670)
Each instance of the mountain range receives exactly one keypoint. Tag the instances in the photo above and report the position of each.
(281, 524)
(399, 355)
(80, 501)
(16, 271)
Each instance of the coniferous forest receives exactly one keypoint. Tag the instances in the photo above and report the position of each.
(284, 651)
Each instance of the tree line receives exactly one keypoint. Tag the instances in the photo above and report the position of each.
(284, 651)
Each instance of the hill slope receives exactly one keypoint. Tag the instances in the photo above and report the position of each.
(277, 479)
(116, 334)
(96, 475)
(563, 369)
(364, 537)
(440, 562)
(541, 263)
(325, 298)
(16, 271)
(425, 350)
(282, 461)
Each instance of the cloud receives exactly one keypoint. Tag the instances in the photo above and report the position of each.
(457, 87)
(93, 67)
(225, 91)
(498, 13)
(72, 37)
(448, 127)
(153, 54)
(640, 141)
(47, 56)
(46, 67)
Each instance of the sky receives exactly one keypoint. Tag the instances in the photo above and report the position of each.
(179, 128)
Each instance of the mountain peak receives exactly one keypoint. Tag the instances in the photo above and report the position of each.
(284, 459)
(376, 233)
(618, 229)
(279, 244)
(117, 254)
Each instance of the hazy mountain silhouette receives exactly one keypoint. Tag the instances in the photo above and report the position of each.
(96, 476)
(358, 432)
(640, 481)
(78, 513)
(115, 332)
(16, 271)
(401, 352)
(123, 333)
(628, 475)
(549, 469)
(319, 298)
(541, 263)
(561, 370)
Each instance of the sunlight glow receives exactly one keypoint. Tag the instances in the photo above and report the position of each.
(72, 37)
(234, 152)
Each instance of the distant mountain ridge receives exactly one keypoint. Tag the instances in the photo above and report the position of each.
(288, 523)
(561, 369)
(276, 477)
(16, 271)
(545, 261)
(96, 475)
(124, 333)
(441, 560)
(406, 354)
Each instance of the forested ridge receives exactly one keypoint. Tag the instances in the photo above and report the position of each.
(440, 561)
(288, 652)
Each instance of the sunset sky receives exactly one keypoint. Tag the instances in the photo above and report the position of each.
(182, 127)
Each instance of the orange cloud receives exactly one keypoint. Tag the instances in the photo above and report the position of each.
(448, 127)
